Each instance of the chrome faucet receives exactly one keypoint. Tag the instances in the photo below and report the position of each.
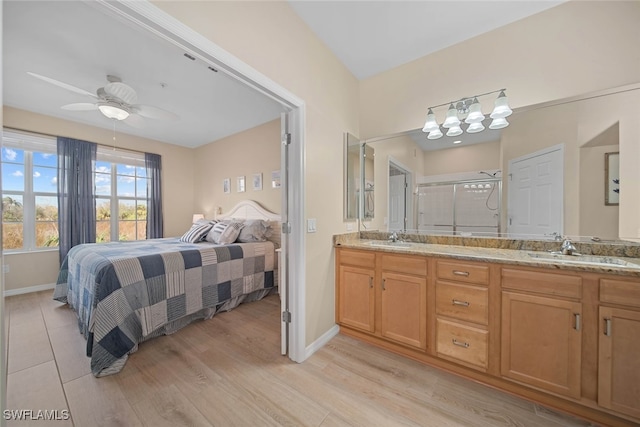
(394, 237)
(568, 248)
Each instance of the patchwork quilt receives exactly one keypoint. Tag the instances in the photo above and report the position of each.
(126, 292)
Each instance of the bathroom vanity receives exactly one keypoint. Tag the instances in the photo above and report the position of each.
(560, 330)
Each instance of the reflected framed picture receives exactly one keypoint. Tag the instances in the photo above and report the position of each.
(612, 179)
(257, 181)
(241, 185)
(275, 179)
(226, 185)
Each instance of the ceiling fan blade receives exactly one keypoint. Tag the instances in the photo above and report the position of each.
(154, 112)
(80, 106)
(135, 121)
(122, 91)
(62, 85)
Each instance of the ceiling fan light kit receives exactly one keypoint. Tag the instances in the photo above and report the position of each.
(468, 110)
(116, 101)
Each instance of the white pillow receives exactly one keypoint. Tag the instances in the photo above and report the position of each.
(196, 232)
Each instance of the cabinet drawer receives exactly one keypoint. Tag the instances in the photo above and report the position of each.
(542, 283)
(623, 292)
(464, 302)
(463, 272)
(357, 258)
(462, 342)
(405, 264)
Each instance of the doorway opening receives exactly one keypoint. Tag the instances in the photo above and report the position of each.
(400, 197)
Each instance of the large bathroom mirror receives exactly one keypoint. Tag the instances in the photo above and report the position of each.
(552, 161)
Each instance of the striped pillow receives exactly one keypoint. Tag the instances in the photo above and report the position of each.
(224, 233)
(197, 232)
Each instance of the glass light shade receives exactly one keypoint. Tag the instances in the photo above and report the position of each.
(501, 107)
(113, 111)
(475, 127)
(435, 134)
(454, 131)
(196, 218)
(430, 125)
(499, 123)
(452, 118)
(475, 113)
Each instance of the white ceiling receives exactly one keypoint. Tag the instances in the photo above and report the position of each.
(76, 43)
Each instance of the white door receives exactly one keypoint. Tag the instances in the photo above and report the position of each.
(397, 205)
(535, 193)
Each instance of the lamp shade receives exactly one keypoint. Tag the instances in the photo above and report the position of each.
(435, 134)
(475, 113)
(196, 218)
(113, 111)
(501, 107)
(475, 127)
(452, 118)
(454, 131)
(431, 124)
(499, 123)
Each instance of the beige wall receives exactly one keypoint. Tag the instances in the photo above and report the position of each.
(472, 158)
(246, 153)
(178, 188)
(271, 38)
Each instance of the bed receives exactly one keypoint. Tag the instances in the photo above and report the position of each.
(125, 293)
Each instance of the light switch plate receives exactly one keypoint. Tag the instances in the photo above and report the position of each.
(311, 225)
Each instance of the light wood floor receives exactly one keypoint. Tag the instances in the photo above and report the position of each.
(227, 371)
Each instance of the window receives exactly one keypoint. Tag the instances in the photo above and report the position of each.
(121, 198)
(29, 193)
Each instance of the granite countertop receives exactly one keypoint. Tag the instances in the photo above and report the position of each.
(595, 263)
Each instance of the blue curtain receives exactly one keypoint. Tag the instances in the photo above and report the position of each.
(76, 198)
(155, 227)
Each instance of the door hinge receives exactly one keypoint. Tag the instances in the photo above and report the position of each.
(286, 228)
(286, 139)
(286, 316)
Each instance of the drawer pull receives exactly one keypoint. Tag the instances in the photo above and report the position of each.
(460, 343)
(607, 327)
(371, 281)
(383, 282)
(578, 321)
(462, 303)
(461, 273)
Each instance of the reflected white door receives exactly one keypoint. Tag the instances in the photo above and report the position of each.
(535, 193)
(397, 202)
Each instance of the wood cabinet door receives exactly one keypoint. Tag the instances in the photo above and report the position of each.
(356, 298)
(619, 360)
(404, 309)
(541, 342)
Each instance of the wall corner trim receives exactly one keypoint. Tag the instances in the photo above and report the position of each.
(320, 342)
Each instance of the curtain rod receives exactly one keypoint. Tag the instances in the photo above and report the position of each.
(56, 136)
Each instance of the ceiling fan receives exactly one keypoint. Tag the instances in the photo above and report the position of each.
(115, 100)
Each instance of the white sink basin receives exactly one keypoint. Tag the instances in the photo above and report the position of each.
(389, 244)
(584, 259)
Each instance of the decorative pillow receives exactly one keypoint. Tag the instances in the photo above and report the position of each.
(197, 232)
(254, 230)
(224, 232)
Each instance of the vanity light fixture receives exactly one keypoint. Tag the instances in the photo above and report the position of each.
(468, 110)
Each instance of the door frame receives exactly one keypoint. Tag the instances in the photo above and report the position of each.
(408, 190)
(149, 17)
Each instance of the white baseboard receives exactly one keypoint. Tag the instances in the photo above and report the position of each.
(29, 289)
(320, 342)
